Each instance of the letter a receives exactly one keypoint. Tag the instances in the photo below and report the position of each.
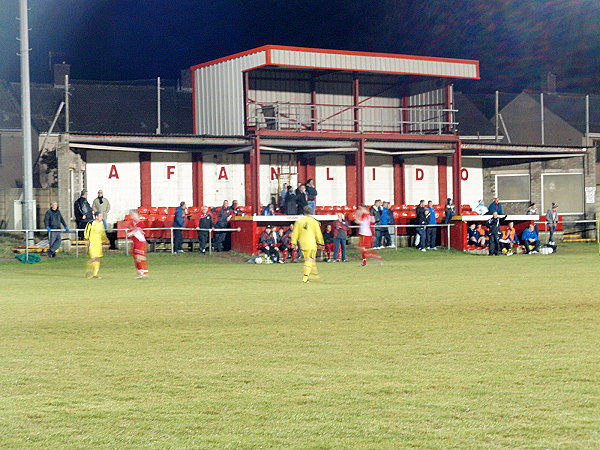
(113, 172)
(223, 174)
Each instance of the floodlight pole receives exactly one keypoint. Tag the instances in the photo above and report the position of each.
(496, 107)
(27, 203)
(158, 118)
(542, 118)
(587, 120)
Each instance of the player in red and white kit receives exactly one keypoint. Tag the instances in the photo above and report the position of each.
(365, 232)
(138, 249)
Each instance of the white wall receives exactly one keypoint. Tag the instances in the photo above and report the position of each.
(426, 188)
(330, 180)
(171, 179)
(118, 175)
(472, 186)
(379, 178)
(230, 168)
(270, 166)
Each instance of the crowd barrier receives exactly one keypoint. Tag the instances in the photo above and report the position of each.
(396, 235)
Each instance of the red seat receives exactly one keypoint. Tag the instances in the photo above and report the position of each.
(143, 209)
(162, 210)
(152, 210)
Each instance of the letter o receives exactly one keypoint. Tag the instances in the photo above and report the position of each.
(464, 174)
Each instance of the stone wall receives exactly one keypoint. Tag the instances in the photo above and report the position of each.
(71, 179)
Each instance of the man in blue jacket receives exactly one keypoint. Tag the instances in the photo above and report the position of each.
(431, 231)
(387, 218)
(179, 222)
(52, 221)
(496, 206)
(530, 239)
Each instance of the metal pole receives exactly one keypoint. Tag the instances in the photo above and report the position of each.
(209, 242)
(126, 241)
(26, 245)
(587, 120)
(496, 115)
(27, 203)
(172, 247)
(158, 119)
(448, 230)
(77, 245)
(542, 116)
(67, 106)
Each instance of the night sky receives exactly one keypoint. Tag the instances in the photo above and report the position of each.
(516, 41)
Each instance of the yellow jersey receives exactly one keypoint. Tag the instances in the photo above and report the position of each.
(307, 233)
(96, 235)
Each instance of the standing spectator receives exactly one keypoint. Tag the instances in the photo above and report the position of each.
(286, 243)
(311, 194)
(340, 229)
(269, 210)
(481, 209)
(282, 195)
(301, 199)
(509, 239)
(83, 211)
(179, 222)
(494, 226)
(52, 221)
(496, 206)
(268, 245)
(101, 204)
(291, 207)
(328, 236)
(530, 239)
(375, 211)
(205, 222)
(449, 210)
(552, 221)
(223, 218)
(387, 218)
(431, 230)
(235, 208)
(421, 220)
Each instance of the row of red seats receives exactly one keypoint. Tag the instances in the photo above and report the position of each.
(170, 210)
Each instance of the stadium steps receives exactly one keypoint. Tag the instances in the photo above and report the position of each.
(577, 238)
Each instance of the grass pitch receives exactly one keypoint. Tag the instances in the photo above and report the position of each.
(435, 350)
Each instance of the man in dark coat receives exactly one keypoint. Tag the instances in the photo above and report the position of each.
(207, 223)
(311, 194)
(494, 229)
(267, 244)
(53, 221)
(421, 221)
(83, 211)
(301, 198)
(179, 222)
(223, 218)
(291, 209)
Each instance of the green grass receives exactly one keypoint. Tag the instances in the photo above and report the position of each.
(435, 350)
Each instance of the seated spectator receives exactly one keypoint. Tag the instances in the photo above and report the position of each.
(449, 211)
(481, 209)
(530, 239)
(496, 206)
(235, 208)
(286, 244)
(269, 210)
(267, 244)
(509, 239)
(533, 210)
(475, 237)
(328, 240)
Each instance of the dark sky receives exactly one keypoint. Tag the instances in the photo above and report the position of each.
(517, 41)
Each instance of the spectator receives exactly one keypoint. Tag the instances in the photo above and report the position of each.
(496, 206)
(475, 237)
(387, 218)
(431, 230)
(267, 244)
(340, 228)
(532, 210)
(286, 243)
(269, 210)
(101, 204)
(53, 221)
(481, 209)
(83, 211)
(291, 208)
(421, 220)
(483, 232)
(328, 236)
(552, 221)
(375, 211)
(530, 239)
(223, 218)
(301, 198)
(235, 208)
(282, 195)
(311, 194)
(494, 226)
(179, 222)
(205, 222)
(509, 239)
(449, 210)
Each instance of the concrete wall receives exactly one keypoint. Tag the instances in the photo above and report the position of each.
(71, 179)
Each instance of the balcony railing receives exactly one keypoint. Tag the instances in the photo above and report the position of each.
(278, 116)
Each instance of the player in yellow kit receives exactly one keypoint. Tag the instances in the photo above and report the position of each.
(95, 234)
(307, 233)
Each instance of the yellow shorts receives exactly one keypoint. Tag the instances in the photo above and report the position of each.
(95, 250)
(310, 253)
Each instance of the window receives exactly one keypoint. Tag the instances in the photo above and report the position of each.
(512, 188)
(566, 189)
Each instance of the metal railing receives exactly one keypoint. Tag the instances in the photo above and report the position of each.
(282, 116)
(396, 235)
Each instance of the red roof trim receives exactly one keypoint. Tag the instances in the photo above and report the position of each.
(268, 49)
